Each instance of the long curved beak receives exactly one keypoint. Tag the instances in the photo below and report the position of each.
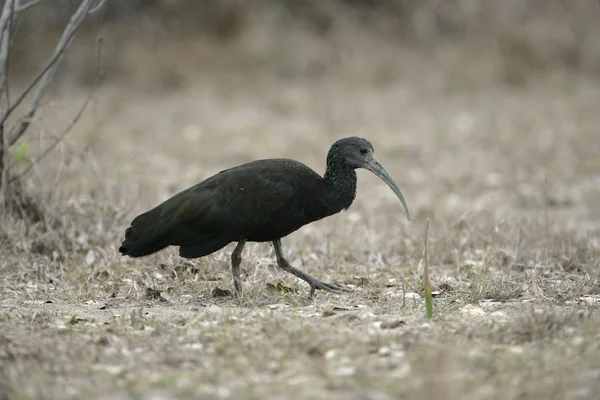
(377, 168)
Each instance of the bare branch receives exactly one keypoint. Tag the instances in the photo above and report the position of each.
(27, 118)
(16, 126)
(5, 19)
(73, 121)
(5, 42)
(5, 30)
(3, 169)
(45, 76)
(97, 7)
(23, 7)
(58, 139)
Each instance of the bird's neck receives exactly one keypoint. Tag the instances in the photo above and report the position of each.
(342, 181)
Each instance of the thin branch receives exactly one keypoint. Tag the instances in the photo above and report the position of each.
(5, 30)
(13, 27)
(5, 45)
(16, 126)
(58, 139)
(5, 20)
(98, 6)
(26, 5)
(73, 121)
(3, 169)
(42, 74)
(45, 76)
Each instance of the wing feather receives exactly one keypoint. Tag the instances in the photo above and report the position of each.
(225, 207)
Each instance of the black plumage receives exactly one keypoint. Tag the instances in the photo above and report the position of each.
(260, 201)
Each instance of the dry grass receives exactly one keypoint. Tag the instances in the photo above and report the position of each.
(508, 176)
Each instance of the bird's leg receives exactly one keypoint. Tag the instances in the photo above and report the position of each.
(236, 260)
(312, 281)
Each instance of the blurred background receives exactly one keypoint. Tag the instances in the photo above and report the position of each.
(475, 106)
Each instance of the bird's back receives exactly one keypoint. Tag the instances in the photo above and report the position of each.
(270, 198)
(261, 200)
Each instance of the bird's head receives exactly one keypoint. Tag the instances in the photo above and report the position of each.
(355, 152)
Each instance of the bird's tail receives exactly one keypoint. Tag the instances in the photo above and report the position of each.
(142, 238)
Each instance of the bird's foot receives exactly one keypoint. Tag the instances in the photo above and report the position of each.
(327, 287)
(239, 291)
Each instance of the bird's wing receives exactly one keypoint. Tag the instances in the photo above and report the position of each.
(227, 205)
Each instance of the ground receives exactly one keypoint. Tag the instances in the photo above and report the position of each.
(508, 174)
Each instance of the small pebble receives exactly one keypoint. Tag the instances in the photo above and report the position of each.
(412, 296)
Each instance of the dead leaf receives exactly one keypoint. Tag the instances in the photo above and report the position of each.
(315, 351)
(102, 275)
(75, 320)
(361, 281)
(152, 294)
(445, 287)
(392, 282)
(412, 296)
(590, 300)
(165, 296)
(208, 278)
(90, 257)
(472, 310)
(285, 289)
(499, 316)
(280, 287)
(111, 369)
(346, 371)
(181, 270)
(392, 324)
(218, 292)
(37, 301)
(102, 341)
(277, 306)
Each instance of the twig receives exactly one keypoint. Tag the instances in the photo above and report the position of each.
(5, 22)
(124, 215)
(428, 296)
(5, 29)
(3, 170)
(97, 7)
(73, 121)
(403, 292)
(45, 76)
(58, 139)
(23, 7)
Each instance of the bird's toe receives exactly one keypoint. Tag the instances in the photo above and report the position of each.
(330, 287)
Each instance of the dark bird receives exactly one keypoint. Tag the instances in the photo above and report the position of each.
(260, 201)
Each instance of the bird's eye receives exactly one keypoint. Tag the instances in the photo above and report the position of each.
(364, 151)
